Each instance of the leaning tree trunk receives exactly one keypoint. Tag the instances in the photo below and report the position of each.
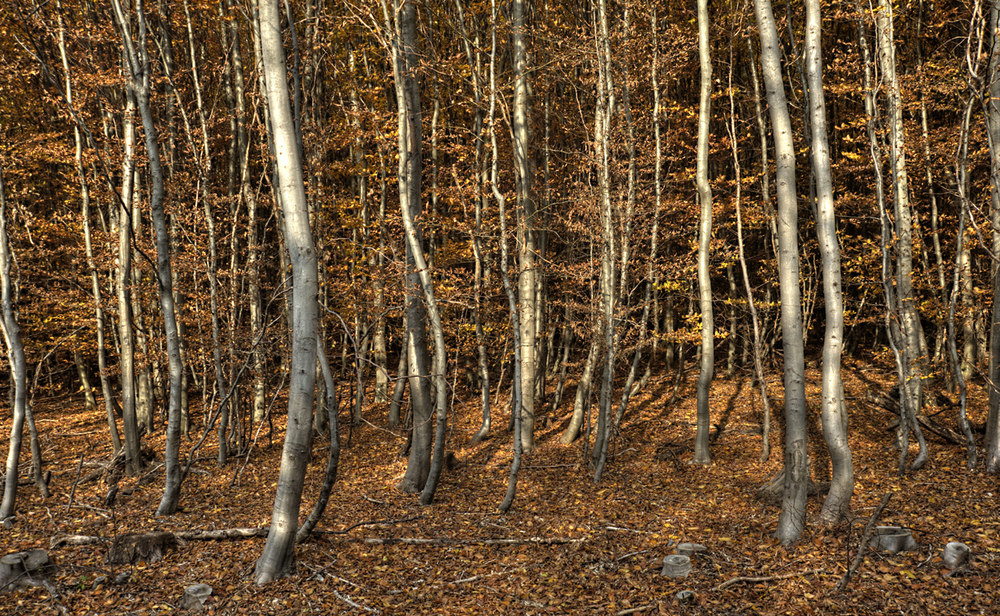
(793, 507)
(701, 453)
(910, 385)
(15, 357)
(139, 61)
(834, 412)
(278, 554)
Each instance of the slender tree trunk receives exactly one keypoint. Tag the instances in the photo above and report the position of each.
(278, 554)
(791, 522)
(962, 181)
(95, 283)
(701, 453)
(141, 77)
(333, 459)
(833, 409)
(422, 469)
(758, 351)
(126, 340)
(15, 358)
(910, 383)
(518, 395)
(527, 225)
(602, 138)
(992, 442)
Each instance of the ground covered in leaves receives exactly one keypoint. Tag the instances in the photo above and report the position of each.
(568, 546)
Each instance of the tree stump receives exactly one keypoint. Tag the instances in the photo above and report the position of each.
(195, 596)
(893, 539)
(955, 555)
(24, 568)
(676, 566)
(132, 548)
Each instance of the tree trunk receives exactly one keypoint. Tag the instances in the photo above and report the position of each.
(278, 554)
(793, 507)
(992, 442)
(909, 319)
(126, 340)
(89, 248)
(141, 76)
(833, 409)
(527, 226)
(701, 453)
(15, 358)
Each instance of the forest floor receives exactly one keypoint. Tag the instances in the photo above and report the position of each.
(569, 546)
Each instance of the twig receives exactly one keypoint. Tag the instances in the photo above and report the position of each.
(371, 523)
(635, 610)
(869, 529)
(351, 603)
(72, 492)
(766, 578)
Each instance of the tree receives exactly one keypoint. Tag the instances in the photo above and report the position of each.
(278, 554)
(527, 225)
(701, 453)
(910, 384)
(140, 77)
(796, 472)
(15, 359)
(833, 410)
(992, 442)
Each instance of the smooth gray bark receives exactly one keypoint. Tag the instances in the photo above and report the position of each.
(833, 410)
(527, 225)
(517, 396)
(15, 359)
(701, 453)
(992, 441)
(141, 76)
(911, 385)
(95, 284)
(400, 24)
(791, 522)
(278, 554)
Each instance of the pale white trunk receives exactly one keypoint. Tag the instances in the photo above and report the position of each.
(278, 554)
(791, 522)
(833, 409)
(701, 453)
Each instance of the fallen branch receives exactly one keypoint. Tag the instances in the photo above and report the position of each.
(371, 523)
(766, 578)
(222, 534)
(450, 541)
(351, 603)
(866, 537)
(213, 535)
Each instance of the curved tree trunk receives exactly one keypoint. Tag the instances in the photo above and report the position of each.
(278, 554)
(15, 358)
(833, 410)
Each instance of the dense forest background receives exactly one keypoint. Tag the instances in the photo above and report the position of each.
(508, 202)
